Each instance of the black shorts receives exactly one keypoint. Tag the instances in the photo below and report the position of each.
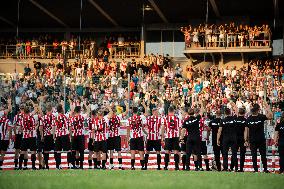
(172, 144)
(183, 146)
(137, 144)
(40, 144)
(90, 144)
(18, 141)
(114, 143)
(78, 143)
(4, 145)
(28, 143)
(62, 143)
(153, 145)
(203, 148)
(100, 146)
(48, 143)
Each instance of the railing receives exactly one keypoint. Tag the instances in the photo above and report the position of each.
(127, 50)
(234, 40)
(23, 51)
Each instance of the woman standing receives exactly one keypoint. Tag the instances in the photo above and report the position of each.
(279, 141)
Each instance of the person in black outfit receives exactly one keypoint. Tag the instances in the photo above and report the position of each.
(241, 123)
(254, 135)
(228, 129)
(193, 143)
(279, 141)
(214, 126)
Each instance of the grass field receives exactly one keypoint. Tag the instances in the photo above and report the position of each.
(82, 179)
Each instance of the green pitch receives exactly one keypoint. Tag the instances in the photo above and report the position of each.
(79, 179)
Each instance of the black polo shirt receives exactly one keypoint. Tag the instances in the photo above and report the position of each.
(214, 125)
(256, 127)
(241, 124)
(191, 124)
(229, 128)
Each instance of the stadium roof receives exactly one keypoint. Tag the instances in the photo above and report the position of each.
(128, 13)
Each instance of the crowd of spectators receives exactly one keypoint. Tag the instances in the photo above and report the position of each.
(46, 46)
(154, 80)
(226, 35)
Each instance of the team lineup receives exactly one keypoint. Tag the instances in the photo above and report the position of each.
(184, 134)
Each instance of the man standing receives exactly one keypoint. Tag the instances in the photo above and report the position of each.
(114, 140)
(241, 124)
(193, 143)
(29, 140)
(91, 127)
(62, 138)
(254, 135)
(214, 127)
(154, 123)
(5, 135)
(135, 129)
(46, 129)
(100, 136)
(229, 132)
(18, 124)
(78, 139)
(279, 141)
(172, 129)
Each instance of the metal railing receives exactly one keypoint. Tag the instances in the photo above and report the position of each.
(229, 40)
(23, 51)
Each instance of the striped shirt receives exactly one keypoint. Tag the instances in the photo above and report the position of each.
(154, 127)
(114, 124)
(172, 126)
(101, 126)
(108, 93)
(62, 125)
(169, 91)
(29, 126)
(5, 126)
(18, 122)
(91, 126)
(136, 125)
(47, 122)
(77, 125)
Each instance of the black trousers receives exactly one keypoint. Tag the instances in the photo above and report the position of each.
(261, 146)
(192, 144)
(230, 143)
(241, 146)
(281, 156)
(217, 152)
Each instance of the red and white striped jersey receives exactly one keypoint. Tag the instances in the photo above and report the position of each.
(136, 125)
(48, 122)
(5, 126)
(29, 126)
(203, 129)
(154, 127)
(62, 125)
(169, 91)
(101, 126)
(108, 93)
(114, 125)
(172, 126)
(91, 126)
(18, 122)
(77, 125)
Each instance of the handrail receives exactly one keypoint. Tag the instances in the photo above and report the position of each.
(24, 51)
(212, 40)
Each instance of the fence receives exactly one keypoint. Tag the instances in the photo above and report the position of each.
(23, 51)
(237, 40)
